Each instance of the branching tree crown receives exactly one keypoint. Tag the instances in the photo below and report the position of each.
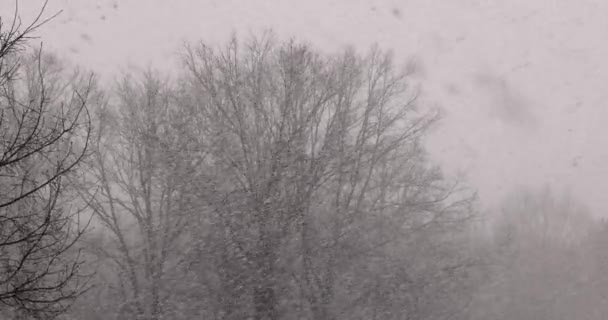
(44, 134)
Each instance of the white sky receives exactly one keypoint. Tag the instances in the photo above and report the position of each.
(522, 83)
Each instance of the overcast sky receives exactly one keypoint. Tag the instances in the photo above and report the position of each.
(522, 83)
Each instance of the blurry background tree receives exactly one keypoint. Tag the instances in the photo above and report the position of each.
(140, 179)
(44, 133)
(540, 256)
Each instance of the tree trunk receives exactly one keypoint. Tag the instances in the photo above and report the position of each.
(264, 295)
(265, 302)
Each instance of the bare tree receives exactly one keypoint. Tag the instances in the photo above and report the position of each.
(44, 133)
(272, 183)
(539, 260)
(139, 181)
(318, 163)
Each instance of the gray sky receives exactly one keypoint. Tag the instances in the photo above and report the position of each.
(521, 82)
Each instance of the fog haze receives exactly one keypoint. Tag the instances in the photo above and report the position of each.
(283, 160)
(521, 83)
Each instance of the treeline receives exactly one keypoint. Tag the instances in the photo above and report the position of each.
(271, 182)
(267, 180)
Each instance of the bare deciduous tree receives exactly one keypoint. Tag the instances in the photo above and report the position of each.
(538, 261)
(140, 184)
(320, 163)
(44, 133)
(273, 183)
